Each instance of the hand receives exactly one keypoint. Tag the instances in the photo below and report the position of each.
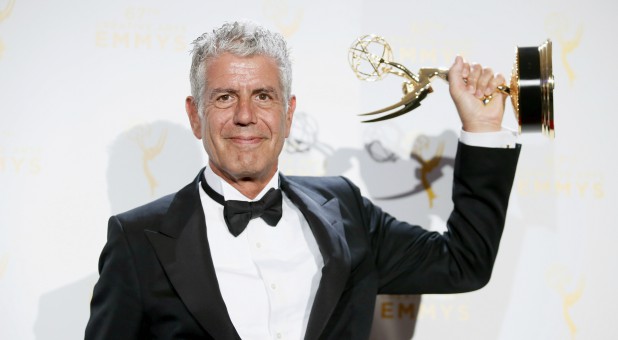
(468, 85)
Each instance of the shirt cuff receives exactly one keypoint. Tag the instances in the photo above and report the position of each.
(500, 139)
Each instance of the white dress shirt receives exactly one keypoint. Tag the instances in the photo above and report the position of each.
(501, 139)
(268, 276)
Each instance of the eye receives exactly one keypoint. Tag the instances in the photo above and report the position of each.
(225, 100)
(263, 97)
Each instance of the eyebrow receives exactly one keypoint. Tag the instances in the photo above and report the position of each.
(215, 92)
(269, 89)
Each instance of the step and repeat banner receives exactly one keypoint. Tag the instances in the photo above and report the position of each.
(92, 123)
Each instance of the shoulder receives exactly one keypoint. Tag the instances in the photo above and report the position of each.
(325, 186)
(317, 181)
(143, 214)
(152, 214)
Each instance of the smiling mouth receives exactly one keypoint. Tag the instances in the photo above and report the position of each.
(246, 140)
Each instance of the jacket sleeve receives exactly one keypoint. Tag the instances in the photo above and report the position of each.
(412, 260)
(116, 306)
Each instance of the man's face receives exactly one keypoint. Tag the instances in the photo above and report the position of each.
(244, 122)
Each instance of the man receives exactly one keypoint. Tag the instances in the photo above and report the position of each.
(311, 269)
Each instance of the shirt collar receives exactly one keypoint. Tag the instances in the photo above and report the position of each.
(228, 192)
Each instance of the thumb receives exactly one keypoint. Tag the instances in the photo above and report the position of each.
(457, 76)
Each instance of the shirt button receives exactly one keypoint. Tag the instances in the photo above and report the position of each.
(279, 336)
(273, 286)
(258, 245)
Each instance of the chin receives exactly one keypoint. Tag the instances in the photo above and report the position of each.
(247, 169)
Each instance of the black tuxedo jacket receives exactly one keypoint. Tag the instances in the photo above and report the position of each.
(157, 279)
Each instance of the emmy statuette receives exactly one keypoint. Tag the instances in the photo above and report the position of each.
(531, 87)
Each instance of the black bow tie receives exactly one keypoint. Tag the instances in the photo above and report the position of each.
(237, 214)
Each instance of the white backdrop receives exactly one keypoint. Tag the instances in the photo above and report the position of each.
(92, 123)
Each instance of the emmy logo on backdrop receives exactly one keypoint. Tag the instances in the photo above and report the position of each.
(558, 280)
(279, 11)
(427, 165)
(559, 26)
(4, 14)
(149, 153)
(531, 88)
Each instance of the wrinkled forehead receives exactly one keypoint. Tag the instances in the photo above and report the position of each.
(229, 70)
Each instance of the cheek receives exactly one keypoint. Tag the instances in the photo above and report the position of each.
(213, 127)
(210, 138)
(278, 125)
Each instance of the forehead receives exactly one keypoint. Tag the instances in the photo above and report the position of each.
(229, 70)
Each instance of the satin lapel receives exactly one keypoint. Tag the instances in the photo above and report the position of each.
(182, 249)
(324, 220)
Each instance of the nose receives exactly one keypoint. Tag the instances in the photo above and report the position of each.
(245, 113)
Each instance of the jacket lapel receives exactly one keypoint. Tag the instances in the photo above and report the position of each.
(182, 248)
(325, 222)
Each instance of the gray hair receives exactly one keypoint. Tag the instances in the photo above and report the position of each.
(242, 39)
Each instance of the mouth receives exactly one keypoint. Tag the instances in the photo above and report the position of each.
(245, 140)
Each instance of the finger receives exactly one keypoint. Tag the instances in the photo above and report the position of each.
(498, 80)
(455, 74)
(475, 74)
(458, 73)
(483, 87)
(465, 73)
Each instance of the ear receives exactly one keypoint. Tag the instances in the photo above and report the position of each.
(289, 115)
(194, 117)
